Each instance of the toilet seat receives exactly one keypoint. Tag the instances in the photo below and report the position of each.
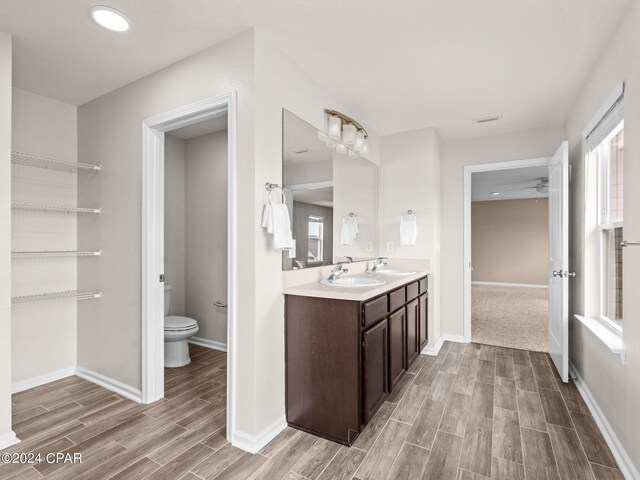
(175, 323)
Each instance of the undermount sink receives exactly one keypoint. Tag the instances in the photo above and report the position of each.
(393, 271)
(354, 282)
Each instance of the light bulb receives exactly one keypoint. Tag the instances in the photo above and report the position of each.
(359, 142)
(335, 127)
(349, 134)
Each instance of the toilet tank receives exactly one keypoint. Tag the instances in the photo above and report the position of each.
(167, 299)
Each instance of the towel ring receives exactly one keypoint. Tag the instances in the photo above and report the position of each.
(410, 214)
(270, 188)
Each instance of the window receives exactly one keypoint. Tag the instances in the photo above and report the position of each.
(316, 239)
(609, 155)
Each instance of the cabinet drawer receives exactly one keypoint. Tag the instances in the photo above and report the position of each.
(374, 310)
(397, 298)
(412, 291)
(424, 285)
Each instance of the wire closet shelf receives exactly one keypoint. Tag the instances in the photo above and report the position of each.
(52, 208)
(56, 253)
(48, 297)
(50, 163)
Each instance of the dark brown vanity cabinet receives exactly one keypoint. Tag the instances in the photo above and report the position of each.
(375, 361)
(344, 357)
(397, 346)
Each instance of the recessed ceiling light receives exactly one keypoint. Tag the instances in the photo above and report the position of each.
(495, 193)
(110, 18)
(487, 118)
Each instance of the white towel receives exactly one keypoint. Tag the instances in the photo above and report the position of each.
(349, 231)
(408, 230)
(276, 220)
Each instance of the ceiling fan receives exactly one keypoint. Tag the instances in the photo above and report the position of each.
(541, 187)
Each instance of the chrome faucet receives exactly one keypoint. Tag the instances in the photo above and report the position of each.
(337, 271)
(349, 259)
(380, 262)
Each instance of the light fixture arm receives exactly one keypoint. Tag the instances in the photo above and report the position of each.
(346, 120)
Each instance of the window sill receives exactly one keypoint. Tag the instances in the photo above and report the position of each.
(611, 338)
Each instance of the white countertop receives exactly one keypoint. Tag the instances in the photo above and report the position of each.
(362, 293)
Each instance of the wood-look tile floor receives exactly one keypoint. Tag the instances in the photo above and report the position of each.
(471, 413)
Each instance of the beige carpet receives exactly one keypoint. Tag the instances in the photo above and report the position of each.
(513, 317)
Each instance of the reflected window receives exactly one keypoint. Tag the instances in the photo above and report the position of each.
(316, 239)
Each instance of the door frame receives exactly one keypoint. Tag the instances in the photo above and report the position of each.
(468, 171)
(153, 134)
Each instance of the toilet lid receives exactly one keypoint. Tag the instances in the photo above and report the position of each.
(176, 323)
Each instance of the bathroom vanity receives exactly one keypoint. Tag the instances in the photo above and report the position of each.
(346, 351)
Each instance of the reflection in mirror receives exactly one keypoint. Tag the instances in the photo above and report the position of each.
(321, 188)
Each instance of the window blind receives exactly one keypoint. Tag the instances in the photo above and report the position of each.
(605, 126)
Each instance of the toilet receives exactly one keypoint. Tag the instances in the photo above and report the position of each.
(177, 331)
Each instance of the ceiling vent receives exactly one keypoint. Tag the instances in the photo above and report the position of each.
(487, 118)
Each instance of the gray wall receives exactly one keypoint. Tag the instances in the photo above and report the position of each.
(174, 220)
(206, 234)
(5, 238)
(109, 132)
(510, 241)
(614, 386)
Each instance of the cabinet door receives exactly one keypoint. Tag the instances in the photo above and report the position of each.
(397, 347)
(424, 316)
(375, 345)
(413, 315)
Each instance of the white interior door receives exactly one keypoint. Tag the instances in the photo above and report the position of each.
(559, 260)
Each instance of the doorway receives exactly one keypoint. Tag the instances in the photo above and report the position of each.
(558, 262)
(510, 256)
(192, 119)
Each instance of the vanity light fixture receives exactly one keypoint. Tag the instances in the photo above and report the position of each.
(110, 18)
(344, 134)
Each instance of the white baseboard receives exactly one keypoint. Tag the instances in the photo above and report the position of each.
(203, 342)
(444, 338)
(8, 439)
(501, 284)
(624, 462)
(42, 379)
(454, 338)
(110, 384)
(255, 443)
(433, 351)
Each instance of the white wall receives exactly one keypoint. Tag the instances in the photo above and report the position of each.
(615, 387)
(6, 434)
(109, 132)
(456, 155)
(206, 234)
(44, 127)
(410, 167)
(355, 190)
(279, 83)
(174, 220)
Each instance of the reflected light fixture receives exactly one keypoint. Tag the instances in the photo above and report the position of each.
(344, 134)
(495, 193)
(110, 18)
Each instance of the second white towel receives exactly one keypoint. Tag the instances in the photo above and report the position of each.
(408, 230)
(349, 231)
